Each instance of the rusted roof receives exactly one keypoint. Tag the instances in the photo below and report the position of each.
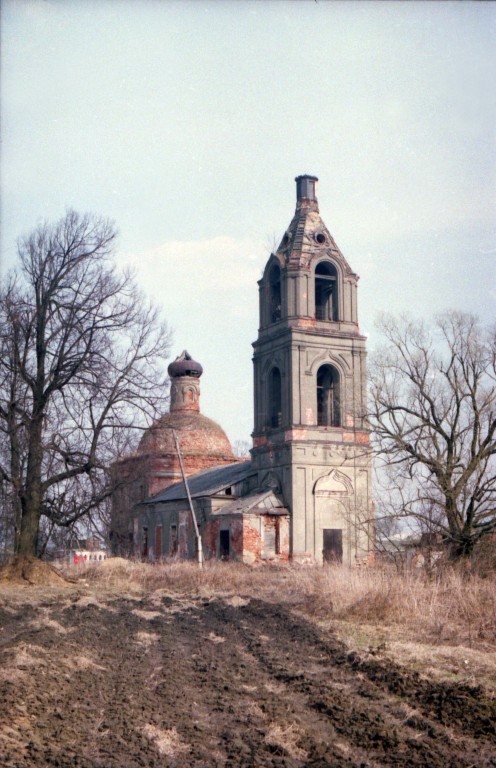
(197, 434)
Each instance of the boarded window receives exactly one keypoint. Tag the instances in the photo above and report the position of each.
(224, 545)
(333, 545)
(269, 537)
(158, 542)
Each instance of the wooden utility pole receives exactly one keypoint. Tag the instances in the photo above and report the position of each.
(192, 509)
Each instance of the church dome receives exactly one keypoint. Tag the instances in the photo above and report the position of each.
(184, 365)
(197, 434)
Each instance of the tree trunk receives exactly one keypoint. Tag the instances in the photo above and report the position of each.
(32, 500)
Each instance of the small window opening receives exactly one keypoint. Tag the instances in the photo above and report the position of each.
(275, 397)
(326, 292)
(229, 491)
(275, 293)
(320, 238)
(328, 397)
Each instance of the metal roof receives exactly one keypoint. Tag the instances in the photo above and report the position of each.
(206, 483)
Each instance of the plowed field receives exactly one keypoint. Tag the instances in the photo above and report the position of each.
(110, 682)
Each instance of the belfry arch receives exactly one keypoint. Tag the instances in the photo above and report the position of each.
(275, 293)
(326, 292)
(328, 397)
(275, 398)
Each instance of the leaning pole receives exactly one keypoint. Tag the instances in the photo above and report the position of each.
(190, 502)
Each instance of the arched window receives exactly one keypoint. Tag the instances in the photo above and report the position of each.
(326, 292)
(275, 398)
(275, 293)
(328, 397)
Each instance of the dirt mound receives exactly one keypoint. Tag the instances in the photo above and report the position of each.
(113, 570)
(31, 572)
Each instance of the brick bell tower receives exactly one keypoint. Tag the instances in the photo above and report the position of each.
(310, 439)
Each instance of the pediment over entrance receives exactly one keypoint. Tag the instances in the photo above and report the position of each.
(335, 483)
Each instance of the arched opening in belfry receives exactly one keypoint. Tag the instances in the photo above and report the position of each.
(275, 398)
(326, 292)
(275, 293)
(328, 397)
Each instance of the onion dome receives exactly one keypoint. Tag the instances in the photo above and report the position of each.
(184, 365)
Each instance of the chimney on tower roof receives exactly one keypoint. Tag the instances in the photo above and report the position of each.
(306, 192)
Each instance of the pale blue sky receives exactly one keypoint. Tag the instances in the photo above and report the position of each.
(186, 123)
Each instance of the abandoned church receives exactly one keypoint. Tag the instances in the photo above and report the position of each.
(305, 493)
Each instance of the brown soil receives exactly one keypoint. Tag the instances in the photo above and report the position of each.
(104, 681)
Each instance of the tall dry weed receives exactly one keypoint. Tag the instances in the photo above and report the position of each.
(449, 607)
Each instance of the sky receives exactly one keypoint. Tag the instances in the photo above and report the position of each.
(187, 122)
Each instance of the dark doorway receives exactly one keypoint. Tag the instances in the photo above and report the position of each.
(144, 545)
(333, 545)
(173, 540)
(224, 545)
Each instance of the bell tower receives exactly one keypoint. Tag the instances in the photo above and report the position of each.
(310, 439)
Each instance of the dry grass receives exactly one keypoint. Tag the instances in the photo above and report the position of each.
(284, 740)
(167, 742)
(449, 608)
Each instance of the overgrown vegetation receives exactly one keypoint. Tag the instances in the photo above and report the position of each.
(450, 607)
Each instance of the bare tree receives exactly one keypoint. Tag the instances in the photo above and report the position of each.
(81, 356)
(433, 416)
(241, 448)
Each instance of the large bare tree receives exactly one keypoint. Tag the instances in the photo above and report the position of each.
(433, 416)
(81, 355)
